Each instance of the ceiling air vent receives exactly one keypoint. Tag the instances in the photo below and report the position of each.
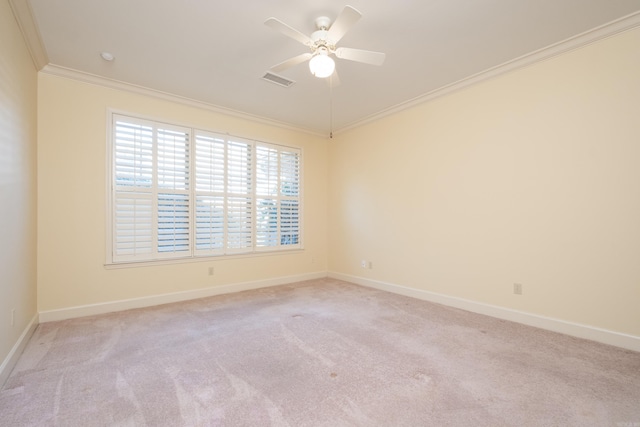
(279, 80)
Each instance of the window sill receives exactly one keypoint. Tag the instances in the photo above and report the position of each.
(155, 263)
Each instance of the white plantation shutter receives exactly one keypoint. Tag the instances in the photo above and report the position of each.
(210, 194)
(224, 194)
(239, 225)
(133, 232)
(277, 197)
(151, 197)
(133, 155)
(210, 225)
(266, 223)
(173, 201)
(289, 222)
(267, 197)
(178, 192)
(133, 197)
(239, 196)
(289, 186)
(173, 225)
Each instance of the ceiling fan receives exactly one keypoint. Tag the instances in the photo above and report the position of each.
(322, 44)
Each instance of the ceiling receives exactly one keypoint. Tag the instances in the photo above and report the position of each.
(216, 52)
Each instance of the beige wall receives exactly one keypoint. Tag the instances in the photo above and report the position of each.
(532, 177)
(72, 123)
(18, 84)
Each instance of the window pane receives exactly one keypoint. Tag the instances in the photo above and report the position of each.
(209, 164)
(133, 155)
(173, 160)
(239, 223)
(289, 222)
(134, 216)
(266, 171)
(289, 174)
(173, 223)
(266, 223)
(239, 164)
(209, 223)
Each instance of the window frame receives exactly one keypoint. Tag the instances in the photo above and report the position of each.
(193, 254)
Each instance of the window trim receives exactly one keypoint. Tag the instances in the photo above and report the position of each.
(192, 256)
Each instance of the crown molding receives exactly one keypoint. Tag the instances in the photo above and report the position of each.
(24, 17)
(596, 34)
(93, 79)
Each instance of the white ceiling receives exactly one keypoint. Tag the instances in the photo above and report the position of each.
(216, 51)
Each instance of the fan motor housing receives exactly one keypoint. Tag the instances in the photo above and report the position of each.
(323, 23)
(320, 37)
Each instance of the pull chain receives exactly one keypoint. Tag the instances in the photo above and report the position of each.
(331, 107)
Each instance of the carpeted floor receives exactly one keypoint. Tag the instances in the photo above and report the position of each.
(316, 353)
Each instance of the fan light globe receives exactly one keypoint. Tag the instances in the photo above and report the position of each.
(321, 66)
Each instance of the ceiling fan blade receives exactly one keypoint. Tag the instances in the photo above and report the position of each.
(291, 62)
(358, 55)
(280, 26)
(347, 19)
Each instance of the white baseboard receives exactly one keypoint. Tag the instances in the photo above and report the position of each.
(12, 358)
(113, 306)
(617, 339)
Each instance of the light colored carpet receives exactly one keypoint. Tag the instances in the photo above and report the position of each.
(316, 353)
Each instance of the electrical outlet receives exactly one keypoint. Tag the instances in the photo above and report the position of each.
(211, 271)
(366, 264)
(517, 288)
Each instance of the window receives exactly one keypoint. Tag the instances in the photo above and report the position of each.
(178, 192)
